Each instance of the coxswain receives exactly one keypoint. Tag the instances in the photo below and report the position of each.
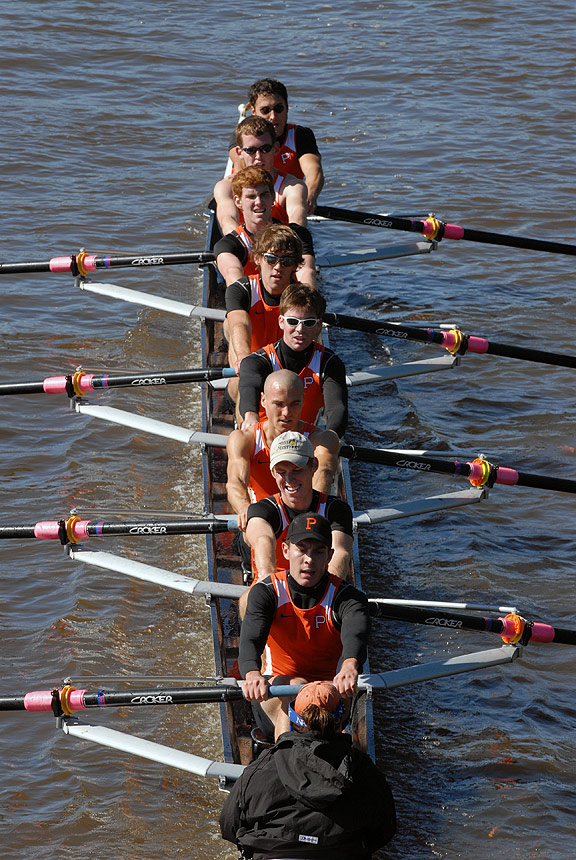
(256, 144)
(308, 624)
(322, 372)
(293, 465)
(298, 152)
(253, 191)
(249, 475)
(312, 795)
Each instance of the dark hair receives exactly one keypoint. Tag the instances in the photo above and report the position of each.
(277, 237)
(302, 296)
(319, 720)
(256, 125)
(267, 87)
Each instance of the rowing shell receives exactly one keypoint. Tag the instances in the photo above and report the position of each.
(224, 563)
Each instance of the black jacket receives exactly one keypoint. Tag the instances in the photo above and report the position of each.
(309, 797)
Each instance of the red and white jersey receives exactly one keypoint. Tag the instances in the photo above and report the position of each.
(286, 159)
(244, 236)
(303, 641)
(310, 376)
(278, 210)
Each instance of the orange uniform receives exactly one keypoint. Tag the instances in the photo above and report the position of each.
(286, 158)
(310, 376)
(303, 641)
(280, 560)
(278, 210)
(262, 483)
(250, 268)
(263, 317)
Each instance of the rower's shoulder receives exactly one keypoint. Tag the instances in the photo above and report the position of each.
(240, 443)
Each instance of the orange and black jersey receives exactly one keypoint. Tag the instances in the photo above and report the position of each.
(240, 245)
(350, 615)
(337, 512)
(332, 374)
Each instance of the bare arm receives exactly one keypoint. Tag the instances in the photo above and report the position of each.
(260, 536)
(239, 450)
(340, 562)
(294, 200)
(311, 165)
(326, 447)
(229, 267)
(226, 209)
(306, 274)
(347, 678)
(239, 337)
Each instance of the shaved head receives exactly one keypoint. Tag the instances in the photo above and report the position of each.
(285, 379)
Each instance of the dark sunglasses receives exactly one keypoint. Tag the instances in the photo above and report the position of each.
(252, 150)
(307, 323)
(285, 262)
(278, 108)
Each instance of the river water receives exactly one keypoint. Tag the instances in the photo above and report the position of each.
(115, 123)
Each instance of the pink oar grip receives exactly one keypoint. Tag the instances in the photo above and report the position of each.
(57, 384)
(506, 476)
(542, 632)
(64, 264)
(49, 530)
(477, 344)
(41, 700)
(60, 264)
(453, 231)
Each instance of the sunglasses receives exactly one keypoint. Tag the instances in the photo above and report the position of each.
(277, 108)
(252, 150)
(286, 261)
(307, 323)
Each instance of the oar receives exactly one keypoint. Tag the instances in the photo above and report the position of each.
(79, 383)
(67, 700)
(82, 262)
(480, 472)
(434, 229)
(454, 340)
(512, 628)
(74, 529)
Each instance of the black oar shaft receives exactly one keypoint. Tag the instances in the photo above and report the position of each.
(79, 383)
(83, 263)
(416, 462)
(75, 529)
(81, 699)
(430, 229)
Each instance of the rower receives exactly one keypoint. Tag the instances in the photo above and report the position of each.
(309, 624)
(249, 476)
(293, 465)
(298, 152)
(322, 372)
(253, 304)
(253, 192)
(256, 144)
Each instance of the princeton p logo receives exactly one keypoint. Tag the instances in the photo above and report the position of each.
(310, 521)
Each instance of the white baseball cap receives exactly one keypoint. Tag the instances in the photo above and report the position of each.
(291, 446)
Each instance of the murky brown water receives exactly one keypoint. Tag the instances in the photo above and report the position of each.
(115, 122)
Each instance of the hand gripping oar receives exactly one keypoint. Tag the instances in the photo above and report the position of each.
(479, 472)
(67, 700)
(454, 340)
(77, 384)
(434, 229)
(74, 529)
(82, 263)
(513, 629)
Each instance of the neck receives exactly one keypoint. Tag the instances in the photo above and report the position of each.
(303, 504)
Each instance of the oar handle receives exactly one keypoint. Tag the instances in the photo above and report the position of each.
(83, 263)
